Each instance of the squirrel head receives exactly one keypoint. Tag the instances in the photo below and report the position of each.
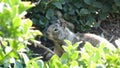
(56, 31)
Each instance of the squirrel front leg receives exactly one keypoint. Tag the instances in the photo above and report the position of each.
(58, 50)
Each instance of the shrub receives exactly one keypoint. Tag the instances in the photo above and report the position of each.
(16, 32)
(88, 57)
(83, 13)
(14, 35)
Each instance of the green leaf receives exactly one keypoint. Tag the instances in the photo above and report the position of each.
(91, 21)
(100, 66)
(54, 62)
(26, 24)
(95, 56)
(64, 66)
(68, 42)
(106, 8)
(15, 2)
(16, 22)
(74, 56)
(40, 63)
(58, 5)
(76, 45)
(12, 3)
(34, 64)
(20, 46)
(25, 57)
(35, 21)
(97, 4)
(84, 11)
(14, 54)
(1, 54)
(5, 13)
(102, 16)
(89, 2)
(14, 12)
(18, 65)
(74, 64)
(1, 7)
(117, 2)
(23, 6)
(71, 11)
(78, 5)
(49, 14)
(10, 52)
(64, 58)
(66, 49)
(88, 47)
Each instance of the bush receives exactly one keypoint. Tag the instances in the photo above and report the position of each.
(14, 35)
(83, 13)
(88, 57)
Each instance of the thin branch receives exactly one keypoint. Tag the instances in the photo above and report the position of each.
(42, 46)
(111, 38)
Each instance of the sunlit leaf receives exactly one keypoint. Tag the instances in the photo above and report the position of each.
(68, 42)
(25, 57)
(16, 22)
(24, 6)
(40, 63)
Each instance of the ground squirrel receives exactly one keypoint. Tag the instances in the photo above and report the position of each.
(57, 32)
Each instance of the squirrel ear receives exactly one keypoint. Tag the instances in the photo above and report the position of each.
(61, 23)
(58, 21)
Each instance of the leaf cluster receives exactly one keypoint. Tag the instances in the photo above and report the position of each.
(88, 57)
(84, 14)
(15, 33)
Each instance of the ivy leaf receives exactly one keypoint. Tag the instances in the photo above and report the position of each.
(97, 4)
(117, 2)
(102, 16)
(84, 11)
(89, 2)
(106, 8)
(91, 21)
(49, 14)
(58, 5)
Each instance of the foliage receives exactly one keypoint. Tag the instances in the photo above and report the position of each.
(88, 57)
(14, 35)
(83, 13)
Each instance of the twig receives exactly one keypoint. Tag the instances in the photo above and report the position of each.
(111, 38)
(46, 49)
(42, 46)
(36, 3)
(104, 31)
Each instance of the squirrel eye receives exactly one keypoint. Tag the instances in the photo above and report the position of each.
(55, 30)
